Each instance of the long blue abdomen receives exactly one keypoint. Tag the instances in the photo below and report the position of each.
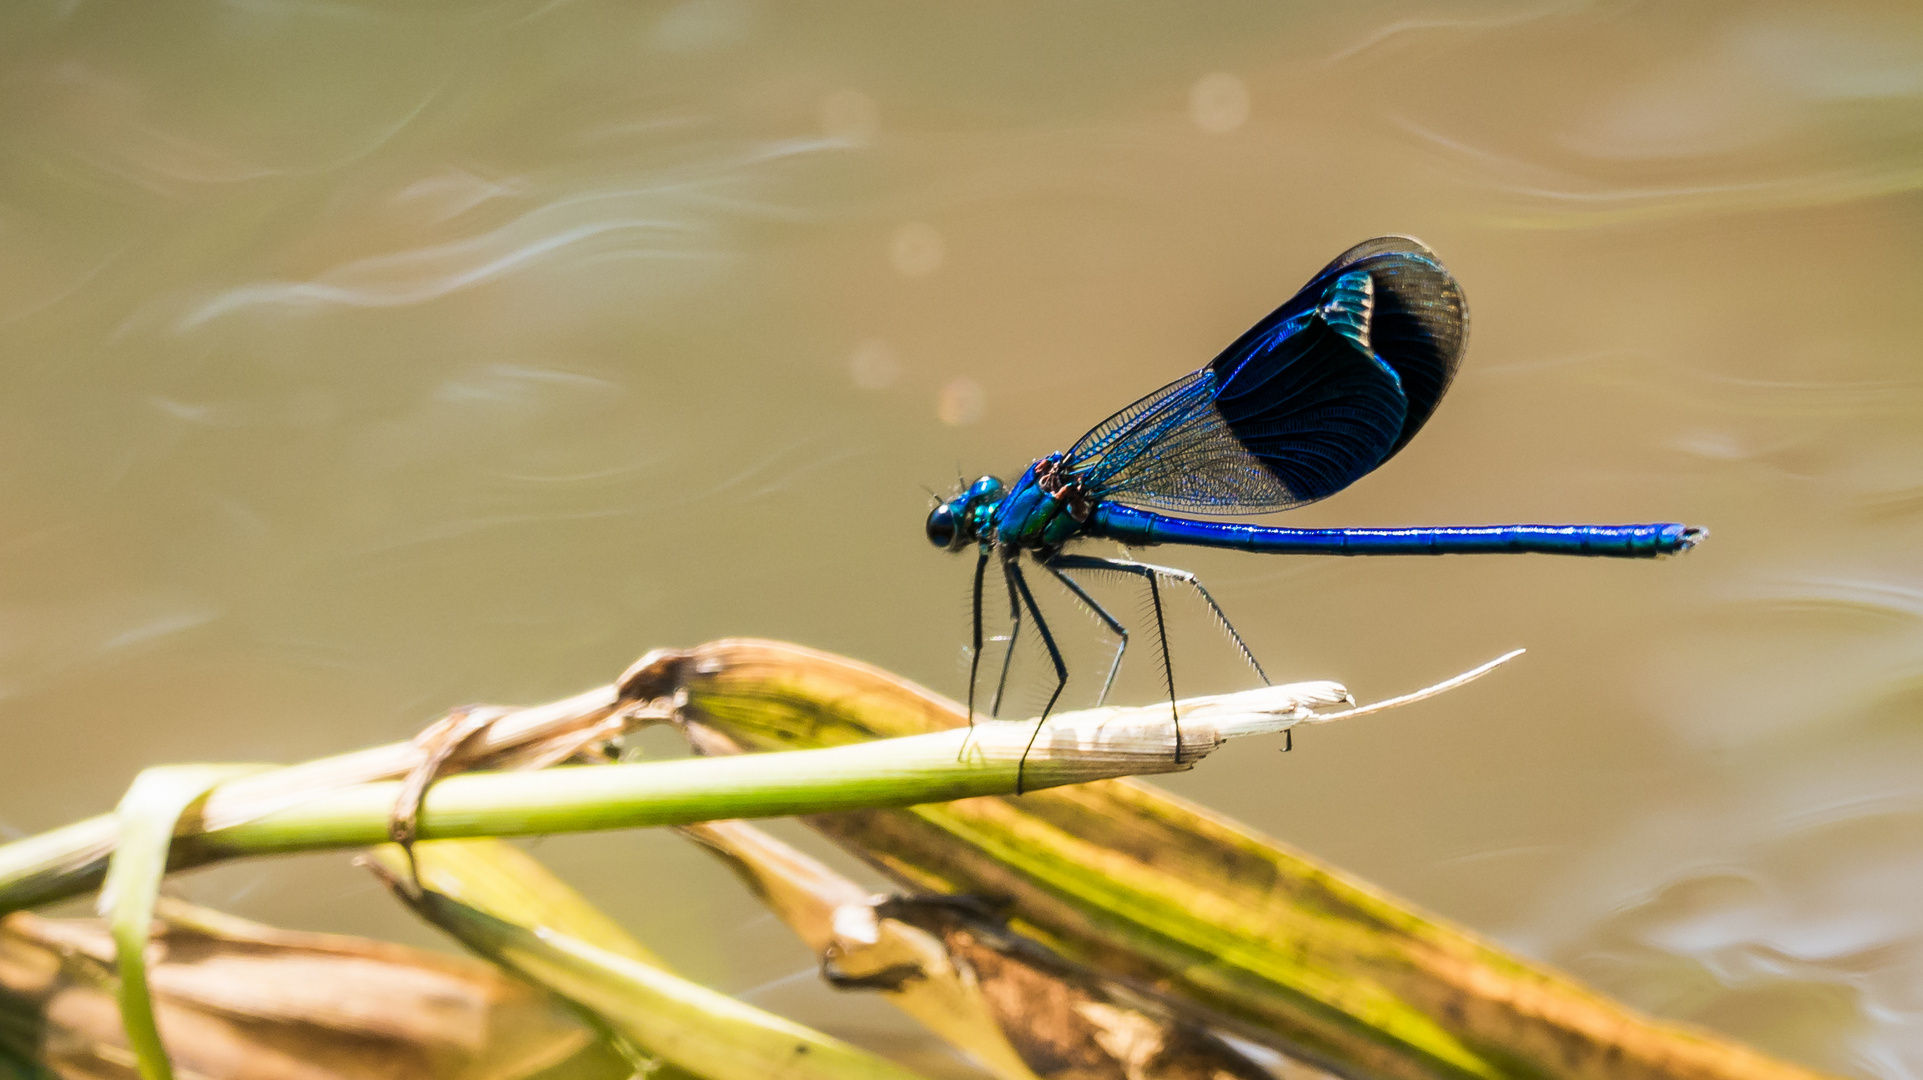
(1113, 521)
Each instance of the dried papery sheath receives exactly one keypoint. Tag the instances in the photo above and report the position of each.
(1070, 747)
(1099, 744)
(1208, 722)
(1102, 739)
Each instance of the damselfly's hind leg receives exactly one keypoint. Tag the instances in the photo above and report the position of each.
(1013, 571)
(1114, 625)
(1149, 572)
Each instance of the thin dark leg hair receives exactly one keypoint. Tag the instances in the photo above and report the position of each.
(1114, 625)
(1014, 571)
(1008, 657)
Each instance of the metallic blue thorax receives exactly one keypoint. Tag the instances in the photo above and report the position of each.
(1031, 516)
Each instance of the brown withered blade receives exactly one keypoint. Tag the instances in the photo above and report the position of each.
(1020, 1010)
(240, 1001)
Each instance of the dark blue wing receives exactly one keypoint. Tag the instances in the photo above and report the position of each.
(1420, 323)
(1313, 397)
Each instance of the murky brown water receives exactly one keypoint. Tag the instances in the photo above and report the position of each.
(360, 360)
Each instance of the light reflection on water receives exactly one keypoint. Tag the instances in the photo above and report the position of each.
(363, 362)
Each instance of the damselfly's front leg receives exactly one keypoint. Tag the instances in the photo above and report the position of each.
(975, 651)
(1013, 571)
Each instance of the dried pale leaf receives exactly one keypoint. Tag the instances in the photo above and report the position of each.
(515, 737)
(241, 1001)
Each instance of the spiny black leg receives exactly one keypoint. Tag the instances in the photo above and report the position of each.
(1008, 657)
(1114, 625)
(1168, 666)
(975, 655)
(1014, 572)
(1146, 570)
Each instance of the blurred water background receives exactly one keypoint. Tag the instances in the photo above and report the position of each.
(359, 360)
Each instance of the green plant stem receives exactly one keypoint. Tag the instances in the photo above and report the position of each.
(895, 772)
(58, 863)
(44, 868)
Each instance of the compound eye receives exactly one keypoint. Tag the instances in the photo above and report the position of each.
(941, 526)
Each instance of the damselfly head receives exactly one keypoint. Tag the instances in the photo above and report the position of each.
(958, 522)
